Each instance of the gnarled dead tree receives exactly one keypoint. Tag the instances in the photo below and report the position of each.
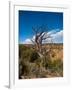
(41, 34)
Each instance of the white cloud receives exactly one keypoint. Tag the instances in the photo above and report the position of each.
(33, 37)
(56, 37)
(28, 41)
(60, 33)
(53, 31)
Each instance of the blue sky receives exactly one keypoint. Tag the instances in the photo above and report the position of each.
(29, 19)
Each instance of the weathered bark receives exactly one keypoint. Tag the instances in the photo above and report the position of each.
(41, 34)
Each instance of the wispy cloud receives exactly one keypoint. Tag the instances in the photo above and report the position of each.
(56, 37)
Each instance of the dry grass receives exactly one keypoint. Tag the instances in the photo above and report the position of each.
(32, 66)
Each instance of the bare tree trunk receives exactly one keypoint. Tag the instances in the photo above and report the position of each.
(40, 35)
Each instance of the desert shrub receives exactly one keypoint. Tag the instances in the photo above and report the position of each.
(55, 66)
(34, 56)
(58, 63)
(58, 67)
(23, 68)
(48, 64)
(24, 52)
(22, 48)
(25, 56)
(46, 61)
